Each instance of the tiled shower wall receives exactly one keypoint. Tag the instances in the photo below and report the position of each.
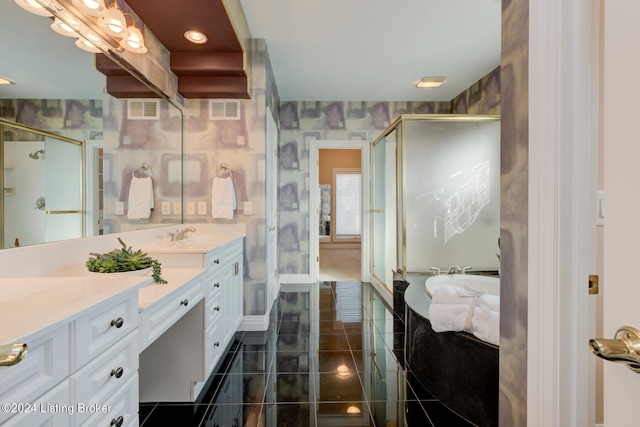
(304, 121)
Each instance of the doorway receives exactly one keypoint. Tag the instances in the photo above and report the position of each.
(339, 220)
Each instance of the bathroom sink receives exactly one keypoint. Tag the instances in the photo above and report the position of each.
(491, 284)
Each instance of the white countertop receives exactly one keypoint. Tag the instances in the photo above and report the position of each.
(175, 277)
(38, 304)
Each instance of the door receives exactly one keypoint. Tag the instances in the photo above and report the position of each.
(271, 220)
(63, 190)
(621, 177)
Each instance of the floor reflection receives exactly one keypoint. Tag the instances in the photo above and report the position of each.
(326, 360)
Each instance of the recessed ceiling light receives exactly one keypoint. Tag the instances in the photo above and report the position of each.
(4, 81)
(430, 82)
(195, 37)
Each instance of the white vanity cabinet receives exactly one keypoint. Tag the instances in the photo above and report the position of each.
(83, 352)
(219, 315)
(223, 295)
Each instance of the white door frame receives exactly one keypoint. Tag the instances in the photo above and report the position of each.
(314, 203)
(563, 124)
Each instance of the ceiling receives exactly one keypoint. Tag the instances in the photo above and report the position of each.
(361, 50)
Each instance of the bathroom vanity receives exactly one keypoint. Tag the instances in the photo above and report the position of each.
(99, 345)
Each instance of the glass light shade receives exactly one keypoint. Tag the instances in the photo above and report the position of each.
(88, 46)
(34, 7)
(63, 28)
(91, 7)
(134, 42)
(114, 23)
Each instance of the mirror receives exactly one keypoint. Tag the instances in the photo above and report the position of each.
(58, 91)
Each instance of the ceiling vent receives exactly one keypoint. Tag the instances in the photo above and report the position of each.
(224, 110)
(143, 109)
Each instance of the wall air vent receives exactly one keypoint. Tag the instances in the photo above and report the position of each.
(224, 110)
(143, 109)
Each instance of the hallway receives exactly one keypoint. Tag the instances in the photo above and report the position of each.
(326, 360)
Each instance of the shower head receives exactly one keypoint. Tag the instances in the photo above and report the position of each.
(36, 154)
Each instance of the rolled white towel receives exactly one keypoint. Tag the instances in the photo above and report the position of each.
(449, 294)
(456, 309)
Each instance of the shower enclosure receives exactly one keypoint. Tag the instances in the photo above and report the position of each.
(41, 177)
(436, 195)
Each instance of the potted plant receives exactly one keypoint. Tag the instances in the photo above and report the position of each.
(123, 260)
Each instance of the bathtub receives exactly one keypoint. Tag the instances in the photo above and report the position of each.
(491, 284)
(455, 368)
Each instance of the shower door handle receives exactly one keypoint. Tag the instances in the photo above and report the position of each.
(62, 212)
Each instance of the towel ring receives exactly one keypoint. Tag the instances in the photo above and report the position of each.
(223, 171)
(143, 171)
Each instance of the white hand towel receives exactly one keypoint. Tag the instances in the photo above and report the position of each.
(140, 198)
(223, 198)
(456, 309)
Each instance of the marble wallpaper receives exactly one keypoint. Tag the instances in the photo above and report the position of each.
(514, 213)
(240, 144)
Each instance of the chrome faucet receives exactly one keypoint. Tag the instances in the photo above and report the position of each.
(455, 269)
(182, 234)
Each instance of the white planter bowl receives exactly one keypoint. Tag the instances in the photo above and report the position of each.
(143, 272)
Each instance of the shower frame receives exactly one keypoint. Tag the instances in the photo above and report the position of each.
(4, 124)
(402, 138)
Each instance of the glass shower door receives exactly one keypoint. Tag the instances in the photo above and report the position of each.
(63, 190)
(383, 209)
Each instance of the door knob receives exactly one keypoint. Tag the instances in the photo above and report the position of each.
(624, 348)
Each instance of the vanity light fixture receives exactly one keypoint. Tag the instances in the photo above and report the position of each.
(63, 28)
(95, 8)
(430, 82)
(5, 81)
(196, 37)
(34, 7)
(134, 42)
(114, 22)
(91, 44)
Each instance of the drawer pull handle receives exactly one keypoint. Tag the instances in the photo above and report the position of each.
(118, 322)
(117, 372)
(216, 344)
(117, 421)
(184, 302)
(216, 308)
(216, 261)
(216, 285)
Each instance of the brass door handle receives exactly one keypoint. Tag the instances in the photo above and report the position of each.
(12, 354)
(624, 348)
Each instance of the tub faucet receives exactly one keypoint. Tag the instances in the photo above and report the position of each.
(455, 269)
(182, 234)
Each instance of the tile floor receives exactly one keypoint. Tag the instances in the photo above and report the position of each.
(326, 360)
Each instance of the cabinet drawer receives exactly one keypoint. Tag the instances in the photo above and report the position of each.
(157, 319)
(121, 408)
(105, 376)
(46, 364)
(223, 254)
(53, 409)
(104, 326)
(213, 347)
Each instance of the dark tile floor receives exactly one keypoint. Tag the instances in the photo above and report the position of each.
(326, 360)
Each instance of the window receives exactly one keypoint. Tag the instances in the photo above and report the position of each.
(348, 211)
